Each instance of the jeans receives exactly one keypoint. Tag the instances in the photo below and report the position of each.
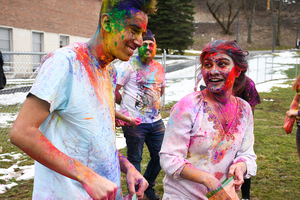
(152, 134)
(298, 140)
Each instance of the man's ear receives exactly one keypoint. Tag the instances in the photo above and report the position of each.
(106, 22)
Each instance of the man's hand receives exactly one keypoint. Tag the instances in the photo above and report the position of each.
(135, 121)
(237, 170)
(99, 187)
(134, 178)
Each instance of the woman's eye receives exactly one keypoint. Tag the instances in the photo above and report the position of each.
(222, 64)
(207, 65)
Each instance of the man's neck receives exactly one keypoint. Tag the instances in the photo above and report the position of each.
(99, 51)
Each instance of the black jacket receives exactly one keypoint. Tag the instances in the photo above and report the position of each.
(2, 75)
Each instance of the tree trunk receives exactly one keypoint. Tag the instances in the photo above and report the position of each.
(249, 22)
(277, 43)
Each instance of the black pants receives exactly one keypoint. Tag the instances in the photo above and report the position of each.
(246, 189)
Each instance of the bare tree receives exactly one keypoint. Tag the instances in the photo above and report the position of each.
(277, 41)
(214, 9)
(249, 22)
(277, 36)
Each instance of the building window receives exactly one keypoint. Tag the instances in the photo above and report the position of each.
(37, 46)
(5, 45)
(64, 41)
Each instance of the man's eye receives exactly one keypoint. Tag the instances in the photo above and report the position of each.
(133, 31)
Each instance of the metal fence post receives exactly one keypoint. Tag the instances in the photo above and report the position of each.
(164, 61)
(257, 70)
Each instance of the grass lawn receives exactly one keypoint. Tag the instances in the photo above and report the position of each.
(278, 175)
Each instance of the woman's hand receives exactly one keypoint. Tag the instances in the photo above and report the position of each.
(237, 170)
(292, 113)
(212, 183)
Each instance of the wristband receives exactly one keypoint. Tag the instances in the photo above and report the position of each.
(130, 120)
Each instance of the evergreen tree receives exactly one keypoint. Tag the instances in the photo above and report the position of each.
(173, 24)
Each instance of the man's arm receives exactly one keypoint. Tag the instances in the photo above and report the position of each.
(133, 177)
(130, 120)
(26, 135)
(117, 94)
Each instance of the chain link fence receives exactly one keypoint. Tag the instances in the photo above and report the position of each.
(21, 70)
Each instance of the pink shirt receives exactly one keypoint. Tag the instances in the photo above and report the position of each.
(194, 135)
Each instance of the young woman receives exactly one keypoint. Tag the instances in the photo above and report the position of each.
(209, 136)
(295, 111)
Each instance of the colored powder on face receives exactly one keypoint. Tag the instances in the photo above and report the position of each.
(122, 37)
(116, 43)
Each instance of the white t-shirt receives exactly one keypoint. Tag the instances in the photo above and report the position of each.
(141, 88)
(81, 120)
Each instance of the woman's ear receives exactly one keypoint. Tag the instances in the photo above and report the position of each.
(238, 73)
(106, 22)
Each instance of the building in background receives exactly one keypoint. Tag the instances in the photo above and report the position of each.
(45, 25)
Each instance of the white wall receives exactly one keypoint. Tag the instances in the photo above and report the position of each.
(78, 39)
(51, 41)
(22, 40)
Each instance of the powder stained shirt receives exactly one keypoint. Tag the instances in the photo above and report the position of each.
(141, 88)
(81, 120)
(249, 93)
(195, 136)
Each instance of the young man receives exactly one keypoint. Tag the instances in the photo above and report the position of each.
(143, 82)
(67, 121)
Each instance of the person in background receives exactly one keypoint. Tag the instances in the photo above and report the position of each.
(143, 82)
(2, 75)
(244, 88)
(67, 122)
(294, 111)
(209, 136)
(297, 44)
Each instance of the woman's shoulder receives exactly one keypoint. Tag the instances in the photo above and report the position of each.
(191, 100)
(243, 105)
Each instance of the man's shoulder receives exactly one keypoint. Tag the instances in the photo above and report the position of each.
(73, 49)
(157, 65)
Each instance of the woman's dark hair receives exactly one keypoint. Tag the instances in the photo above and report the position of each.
(230, 48)
(295, 84)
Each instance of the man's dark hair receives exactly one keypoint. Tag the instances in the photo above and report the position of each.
(148, 36)
(114, 6)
